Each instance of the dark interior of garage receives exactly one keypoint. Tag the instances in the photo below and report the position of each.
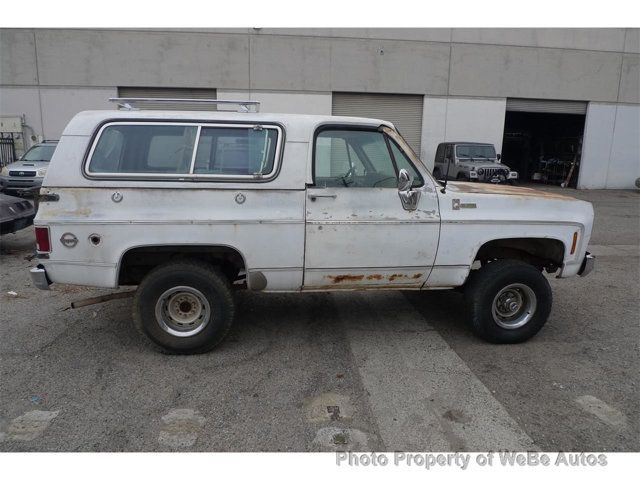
(544, 147)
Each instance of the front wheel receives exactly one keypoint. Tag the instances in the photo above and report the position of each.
(509, 300)
(184, 306)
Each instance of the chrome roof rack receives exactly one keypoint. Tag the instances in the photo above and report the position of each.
(130, 103)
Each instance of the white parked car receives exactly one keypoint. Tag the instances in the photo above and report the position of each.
(28, 172)
(189, 205)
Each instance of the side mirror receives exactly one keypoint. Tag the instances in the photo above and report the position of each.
(408, 197)
(405, 180)
(499, 157)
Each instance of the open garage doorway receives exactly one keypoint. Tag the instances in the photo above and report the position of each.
(543, 140)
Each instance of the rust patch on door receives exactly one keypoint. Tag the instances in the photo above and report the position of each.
(376, 276)
(345, 278)
(396, 276)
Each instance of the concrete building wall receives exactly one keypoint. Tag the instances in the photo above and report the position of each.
(283, 102)
(610, 151)
(47, 110)
(464, 74)
(23, 101)
(66, 102)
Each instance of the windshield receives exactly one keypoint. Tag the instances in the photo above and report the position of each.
(40, 153)
(475, 152)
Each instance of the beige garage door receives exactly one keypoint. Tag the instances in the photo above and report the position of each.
(181, 93)
(404, 111)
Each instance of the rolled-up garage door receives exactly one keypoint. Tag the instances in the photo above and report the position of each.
(404, 111)
(546, 106)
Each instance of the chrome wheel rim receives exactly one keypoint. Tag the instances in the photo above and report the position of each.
(183, 311)
(514, 306)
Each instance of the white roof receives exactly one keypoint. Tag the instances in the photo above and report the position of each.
(298, 127)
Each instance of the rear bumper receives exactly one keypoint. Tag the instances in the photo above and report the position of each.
(588, 263)
(39, 278)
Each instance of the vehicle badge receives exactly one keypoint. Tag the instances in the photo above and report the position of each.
(69, 240)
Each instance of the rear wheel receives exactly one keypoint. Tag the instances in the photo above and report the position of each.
(509, 300)
(184, 306)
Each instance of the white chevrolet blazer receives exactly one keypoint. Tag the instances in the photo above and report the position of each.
(189, 206)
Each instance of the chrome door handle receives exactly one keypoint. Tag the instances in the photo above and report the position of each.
(313, 196)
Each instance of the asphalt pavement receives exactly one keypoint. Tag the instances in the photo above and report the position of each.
(330, 371)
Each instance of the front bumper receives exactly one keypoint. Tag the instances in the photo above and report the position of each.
(39, 278)
(18, 183)
(588, 263)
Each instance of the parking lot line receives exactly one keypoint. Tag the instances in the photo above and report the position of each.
(422, 394)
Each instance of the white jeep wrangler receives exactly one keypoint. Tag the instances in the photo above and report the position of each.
(190, 205)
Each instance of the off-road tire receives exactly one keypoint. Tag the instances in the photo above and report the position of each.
(484, 285)
(204, 278)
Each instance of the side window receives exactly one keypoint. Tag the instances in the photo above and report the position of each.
(353, 158)
(403, 162)
(440, 153)
(448, 153)
(125, 148)
(236, 151)
(144, 149)
(108, 153)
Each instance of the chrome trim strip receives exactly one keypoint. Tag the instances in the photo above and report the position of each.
(77, 262)
(173, 222)
(392, 267)
(467, 267)
(511, 222)
(275, 269)
(370, 222)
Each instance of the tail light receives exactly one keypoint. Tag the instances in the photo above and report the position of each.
(43, 242)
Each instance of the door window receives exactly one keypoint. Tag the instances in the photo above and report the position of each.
(353, 158)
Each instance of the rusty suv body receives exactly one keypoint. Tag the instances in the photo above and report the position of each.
(280, 203)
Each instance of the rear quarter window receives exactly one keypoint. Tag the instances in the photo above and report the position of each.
(183, 150)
